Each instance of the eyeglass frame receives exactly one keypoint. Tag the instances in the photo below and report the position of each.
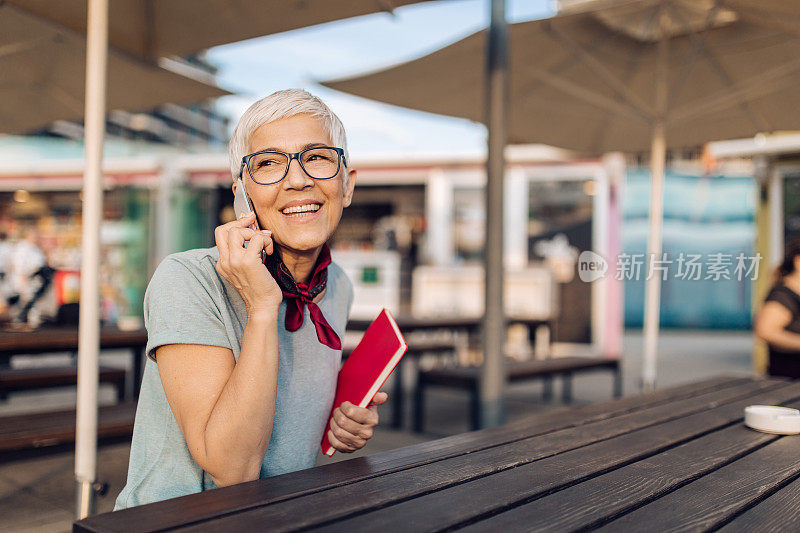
(340, 161)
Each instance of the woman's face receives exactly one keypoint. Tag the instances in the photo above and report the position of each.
(306, 231)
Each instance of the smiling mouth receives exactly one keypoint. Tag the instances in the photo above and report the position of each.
(301, 210)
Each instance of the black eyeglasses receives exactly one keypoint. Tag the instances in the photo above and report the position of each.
(269, 166)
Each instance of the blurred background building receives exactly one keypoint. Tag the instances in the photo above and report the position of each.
(425, 215)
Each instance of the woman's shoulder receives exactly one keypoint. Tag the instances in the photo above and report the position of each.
(197, 261)
(785, 296)
(780, 288)
(186, 269)
(185, 302)
(196, 258)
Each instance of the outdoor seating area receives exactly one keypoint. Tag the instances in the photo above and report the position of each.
(468, 379)
(407, 265)
(53, 429)
(43, 475)
(24, 433)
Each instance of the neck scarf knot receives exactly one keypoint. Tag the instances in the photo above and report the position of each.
(299, 295)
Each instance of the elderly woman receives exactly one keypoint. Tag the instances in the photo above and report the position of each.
(244, 338)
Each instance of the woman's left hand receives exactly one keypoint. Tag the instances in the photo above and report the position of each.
(352, 426)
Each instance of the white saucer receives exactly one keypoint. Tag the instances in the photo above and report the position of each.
(772, 419)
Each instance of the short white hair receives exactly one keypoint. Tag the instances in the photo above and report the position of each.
(277, 106)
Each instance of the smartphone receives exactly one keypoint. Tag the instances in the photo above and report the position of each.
(242, 204)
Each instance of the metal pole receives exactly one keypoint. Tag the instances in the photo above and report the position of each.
(89, 322)
(652, 292)
(494, 330)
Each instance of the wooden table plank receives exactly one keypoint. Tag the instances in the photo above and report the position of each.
(484, 496)
(712, 499)
(603, 498)
(198, 507)
(779, 512)
(451, 477)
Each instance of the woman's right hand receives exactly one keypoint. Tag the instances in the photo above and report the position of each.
(243, 267)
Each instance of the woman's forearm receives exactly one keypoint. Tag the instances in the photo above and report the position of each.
(780, 338)
(239, 428)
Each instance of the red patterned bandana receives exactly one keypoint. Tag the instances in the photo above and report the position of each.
(299, 295)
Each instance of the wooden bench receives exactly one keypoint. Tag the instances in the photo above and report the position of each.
(19, 379)
(52, 428)
(468, 378)
(65, 339)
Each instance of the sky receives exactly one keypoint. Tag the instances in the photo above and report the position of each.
(301, 58)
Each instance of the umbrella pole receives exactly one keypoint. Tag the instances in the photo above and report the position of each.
(652, 291)
(494, 330)
(89, 323)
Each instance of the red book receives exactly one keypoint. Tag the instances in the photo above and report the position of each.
(365, 371)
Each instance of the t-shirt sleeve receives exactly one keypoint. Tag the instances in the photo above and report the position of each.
(784, 297)
(179, 309)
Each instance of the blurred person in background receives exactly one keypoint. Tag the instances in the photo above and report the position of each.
(6, 250)
(778, 322)
(26, 259)
(243, 346)
(30, 276)
(41, 305)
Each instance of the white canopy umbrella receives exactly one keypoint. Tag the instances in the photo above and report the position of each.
(627, 75)
(44, 81)
(151, 29)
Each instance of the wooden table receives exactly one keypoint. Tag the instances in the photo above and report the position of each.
(65, 339)
(676, 459)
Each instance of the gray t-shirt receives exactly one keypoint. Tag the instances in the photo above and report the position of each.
(187, 302)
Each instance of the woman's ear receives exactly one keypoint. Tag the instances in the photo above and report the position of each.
(349, 187)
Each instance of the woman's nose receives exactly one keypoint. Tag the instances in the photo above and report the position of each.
(296, 178)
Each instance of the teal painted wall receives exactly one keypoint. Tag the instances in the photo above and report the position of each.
(702, 215)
